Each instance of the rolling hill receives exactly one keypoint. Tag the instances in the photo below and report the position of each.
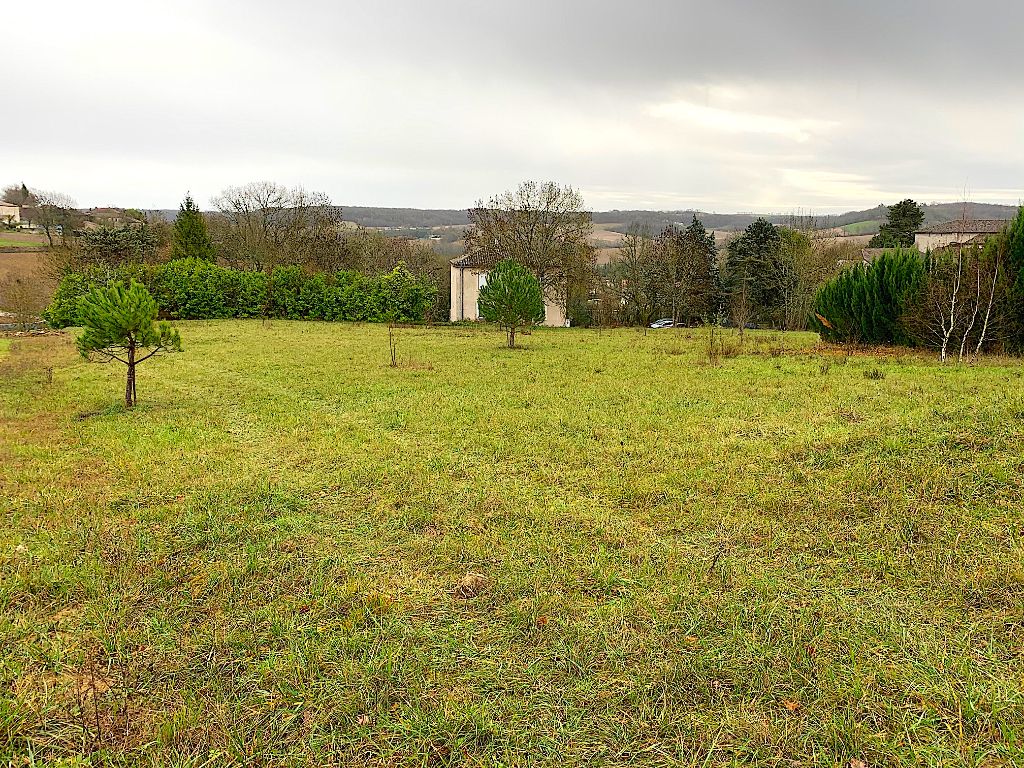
(863, 222)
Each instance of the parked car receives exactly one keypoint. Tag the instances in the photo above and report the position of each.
(665, 322)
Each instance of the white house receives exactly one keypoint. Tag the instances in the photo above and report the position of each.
(9, 213)
(469, 275)
(959, 232)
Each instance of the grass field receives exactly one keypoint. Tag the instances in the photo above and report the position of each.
(796, 557)
(21, 240)
(20, 264)
(863, 227)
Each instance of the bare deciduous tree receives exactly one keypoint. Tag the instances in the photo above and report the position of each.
(55, 213)
(543, 226)
(18, 194)
(741, 307)
(810, 257)
(263, 224)
(961, 290)
(634, 276)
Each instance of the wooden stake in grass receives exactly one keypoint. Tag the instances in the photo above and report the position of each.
(120, 325)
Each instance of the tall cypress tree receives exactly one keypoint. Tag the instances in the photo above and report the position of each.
(868, 303)
(1014, 238)
(191, 238)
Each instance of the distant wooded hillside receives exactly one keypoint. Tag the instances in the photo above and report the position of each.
(864, 222)
(657, 220)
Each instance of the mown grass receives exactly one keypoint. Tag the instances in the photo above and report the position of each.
(784, 559)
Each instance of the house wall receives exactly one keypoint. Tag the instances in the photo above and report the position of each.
(466, 284)
(10, 212)
(554, 314)
(931, 242)
(465, 293)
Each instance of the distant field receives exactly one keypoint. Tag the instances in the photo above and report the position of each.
(798, 557)
(862, 227)
(21, 240)
(607, 242)
(19, 263)
(605, 236)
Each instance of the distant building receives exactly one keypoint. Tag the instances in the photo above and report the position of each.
(10, 213)
(469, 275)
(960, 232)
(868, 255)
(111, 217)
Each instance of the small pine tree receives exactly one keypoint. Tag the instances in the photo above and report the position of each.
(190, 238)
(119, 324)
(512, 298)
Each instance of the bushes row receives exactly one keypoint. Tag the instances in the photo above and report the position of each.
(195, 289)
(869, 303)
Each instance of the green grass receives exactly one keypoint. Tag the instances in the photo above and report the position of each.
(14, 240)
(863, 227)
(795, 557)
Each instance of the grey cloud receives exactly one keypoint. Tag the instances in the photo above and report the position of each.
(730, 104)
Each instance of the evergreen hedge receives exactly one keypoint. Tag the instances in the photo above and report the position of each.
(197, 289)
(869, 303)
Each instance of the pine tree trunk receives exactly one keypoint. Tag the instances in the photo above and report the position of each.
(511, 338)
(129, 390)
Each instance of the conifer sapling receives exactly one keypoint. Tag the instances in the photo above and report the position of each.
(512, 298)
(120, 324)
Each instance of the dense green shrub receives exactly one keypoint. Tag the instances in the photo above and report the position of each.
(403, 296)
(869, 303)
(196, 289)
(127, 244)
(1012, 243)
(63, 309)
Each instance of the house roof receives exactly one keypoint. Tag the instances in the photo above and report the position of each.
(868, 255)
(472, 260)
(966, 227)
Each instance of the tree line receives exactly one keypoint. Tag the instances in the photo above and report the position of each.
(265, 238)
(766, 277)
(262, 240)
(960, 300)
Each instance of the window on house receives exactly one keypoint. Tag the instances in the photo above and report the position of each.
(481, 281)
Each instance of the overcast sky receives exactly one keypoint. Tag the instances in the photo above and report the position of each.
(721, 105)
